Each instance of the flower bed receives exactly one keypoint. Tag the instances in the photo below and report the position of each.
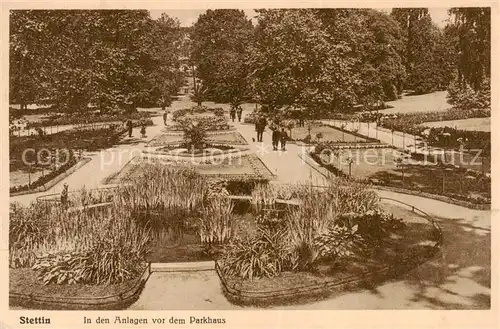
(247, 166)
(319, 246)
(219, 138)
(210, 118)
(414, 123)
(209, 151)
(89, 118)
(459, 184)
(45, 180)
(25, 291)
(171, 208)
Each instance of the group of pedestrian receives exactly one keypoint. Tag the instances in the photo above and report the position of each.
(236, 111)
(130, 125)
(279, 137)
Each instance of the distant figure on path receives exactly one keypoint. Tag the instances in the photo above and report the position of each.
(239, 111)
(129, 127)
(232, 113)
(165, 117)
(276, 138)
(260, 126)
(143, 131)
(283, 138)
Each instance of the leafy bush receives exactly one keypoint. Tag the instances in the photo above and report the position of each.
(339, 242)
(373, 225)
(462, 96)
(195, 135)
(219, 111)
(319, 210)
(250, 118)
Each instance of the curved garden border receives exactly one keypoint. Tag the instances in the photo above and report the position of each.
(112, 302)
(56, 179)
(327, 174)
(230, 152)
(329, 288)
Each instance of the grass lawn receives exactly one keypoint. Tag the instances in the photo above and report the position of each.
(379, 165)
(329, 134)
(25, 281)
(367, 162)
(472, 124)
(245, 166)
(22, 177)
(435, 101)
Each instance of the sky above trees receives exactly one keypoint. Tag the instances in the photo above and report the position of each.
(188, 17)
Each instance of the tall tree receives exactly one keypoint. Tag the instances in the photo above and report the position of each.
(375, 45)
(164, 73)
(473, 41)
(295, 64)
(75, 57)
(220, 43)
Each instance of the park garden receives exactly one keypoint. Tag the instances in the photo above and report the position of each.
(200, 189)
(291, 236)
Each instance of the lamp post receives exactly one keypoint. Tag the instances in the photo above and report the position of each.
(342, 126)
(350, 161)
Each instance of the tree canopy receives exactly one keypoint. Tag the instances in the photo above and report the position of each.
(220, 44)
(72, 58)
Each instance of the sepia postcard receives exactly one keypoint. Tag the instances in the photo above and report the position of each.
(257, 165)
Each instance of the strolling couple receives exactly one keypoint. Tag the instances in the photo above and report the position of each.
(236, 110)
(279, 137)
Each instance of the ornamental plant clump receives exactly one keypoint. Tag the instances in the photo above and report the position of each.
(264, 255)
(195, 135)
(216, 222)
(312, 231)
(82, 246)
